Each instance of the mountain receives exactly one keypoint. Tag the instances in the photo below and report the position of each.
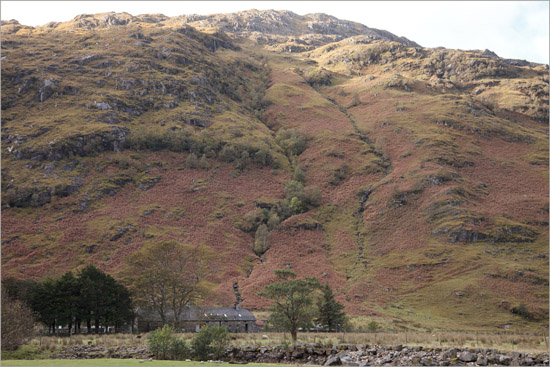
(413, 180)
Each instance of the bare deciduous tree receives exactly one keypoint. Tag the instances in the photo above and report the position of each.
(17, 322)
(169, 275)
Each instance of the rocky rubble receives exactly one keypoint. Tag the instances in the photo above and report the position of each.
(337, 355)
(377, 355)
(101, 351)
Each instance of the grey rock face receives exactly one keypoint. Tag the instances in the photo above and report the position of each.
(103, 106)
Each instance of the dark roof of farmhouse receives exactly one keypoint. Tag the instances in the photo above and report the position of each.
(199, 314)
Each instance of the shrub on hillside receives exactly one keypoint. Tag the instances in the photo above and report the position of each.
(250, 221)
(228, 153)
(522, 311)
(319, 77)
(191, 160)
(273, 220)
(292, 142)
(312, 196)
(297, 206)
(294, 189)
(339, 175)
(203, 162)
(299, 175)
(261, 240)
(210, 342)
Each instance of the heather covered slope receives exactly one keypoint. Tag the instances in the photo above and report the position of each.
(432, 164)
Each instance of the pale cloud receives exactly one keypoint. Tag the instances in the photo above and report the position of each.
(512, 29)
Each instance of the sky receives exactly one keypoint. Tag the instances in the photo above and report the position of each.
(511, 29)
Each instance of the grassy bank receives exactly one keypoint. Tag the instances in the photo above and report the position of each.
(40, 348)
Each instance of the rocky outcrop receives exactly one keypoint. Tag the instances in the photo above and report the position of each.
(287, 23)
(80, 145)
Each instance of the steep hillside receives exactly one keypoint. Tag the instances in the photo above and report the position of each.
(413, 180)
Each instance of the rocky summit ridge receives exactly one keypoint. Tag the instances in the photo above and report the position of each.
(413, 180)
(265, 22)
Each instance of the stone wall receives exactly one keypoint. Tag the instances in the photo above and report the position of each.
(101, 351)
(342, 354)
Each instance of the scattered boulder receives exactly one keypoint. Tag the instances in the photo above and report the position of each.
(504, 360)
(333, 361)
(102, 106)
(466, 356)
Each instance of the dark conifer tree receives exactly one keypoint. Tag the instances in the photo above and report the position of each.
(92, 296)
(43, 301)
(66, 298)
(330, 311)
(103, 299)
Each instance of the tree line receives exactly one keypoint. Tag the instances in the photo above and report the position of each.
(168, 276)
(89, 298)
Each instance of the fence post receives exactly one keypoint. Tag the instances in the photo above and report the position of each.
(477, 339)
(406, 337)
(545, 339)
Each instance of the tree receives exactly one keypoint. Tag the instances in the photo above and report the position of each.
(243, 161)
(261, 240)
(120, 310)
(312, 196)
(293, 301)
(44, 302)
(67, 294)
(191, 160)
(169, 275)
(294, 189)
(69, 300)
(203, 162)
(330, 311)
(297, 206)
(102, 299)
(20, 289)
(17, 322)
(292, 142)
(228, 153)
(273, 220)
(299, 174)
